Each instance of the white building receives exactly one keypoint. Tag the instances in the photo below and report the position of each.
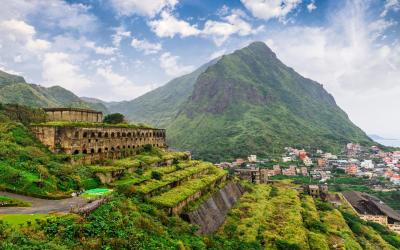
(252, 158)
(368, 164)
(307, 161)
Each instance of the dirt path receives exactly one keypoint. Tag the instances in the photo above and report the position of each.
(41, 206)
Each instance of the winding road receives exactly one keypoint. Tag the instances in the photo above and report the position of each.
(42, 206)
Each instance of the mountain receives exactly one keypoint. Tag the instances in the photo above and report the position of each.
(247, 102)
(160, 106)
(14, 89)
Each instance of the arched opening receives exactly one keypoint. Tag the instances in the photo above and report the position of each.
(84, 151)
(118, 134)
(106, 135)
(84, 134)
(76, 152)
(112, 135)
(106, 149)
(118, 148)
(112, 149)
(92, 151)
(129, 134)
(99, 135)
(129, 146)
(123, 134)
(99, 150)
(93, 135)
(76, 134)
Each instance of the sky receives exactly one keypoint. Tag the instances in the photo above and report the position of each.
(120, 49)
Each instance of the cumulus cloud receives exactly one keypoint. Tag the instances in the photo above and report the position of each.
(346, 57)
(121, 85)
(140, 7)
(311, 6)
(100, 50)
(147, 47)
(120, 33)
(267, 9)
(169, 26)
(50, 14)
(170, 64)
(390, 5)
(234, 23)
(59, 69)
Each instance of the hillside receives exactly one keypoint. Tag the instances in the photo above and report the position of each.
(160, 106)
(246, 102)
(14, 89)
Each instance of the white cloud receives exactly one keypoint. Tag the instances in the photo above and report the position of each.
(18, 36)
(390, 5)
(121, 85)
(363, 74)
(267, 9)
(311, 6)
(50, 14)
(171, 66)
(142, 7)
(147, 47)
(100, 50)
(169, 26)
(232, 24)
(58, 69)
(120, 33)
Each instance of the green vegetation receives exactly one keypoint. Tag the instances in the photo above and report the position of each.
(176, 195)
(20, 219)
(89, 124)
(114, 118)
(14, 89)
(6, 201)
(245, 103)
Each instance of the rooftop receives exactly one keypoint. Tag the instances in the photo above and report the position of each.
(72, 109)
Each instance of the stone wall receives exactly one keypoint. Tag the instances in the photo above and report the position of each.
(98, 143)
(73, 115)
(210, 215)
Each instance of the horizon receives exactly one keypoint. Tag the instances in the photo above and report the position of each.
(119, 50)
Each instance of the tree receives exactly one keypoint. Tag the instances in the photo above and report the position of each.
(114, 118)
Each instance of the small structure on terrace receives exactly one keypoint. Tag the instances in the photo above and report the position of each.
(81, 132)
(370, 208)
(73, 115)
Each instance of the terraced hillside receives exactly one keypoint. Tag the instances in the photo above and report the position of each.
(279, 217)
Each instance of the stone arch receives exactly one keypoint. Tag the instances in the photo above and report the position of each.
(112, 135)
(77, 134)
(76, 152)
(84, 134)
(106, 149)
(92, 151)
(106, 134)
(129, 134)
(99, 150)
(123, 134)
(118, 134)
(84, 151)
(93, 135)
(99, 135)
(112, 149)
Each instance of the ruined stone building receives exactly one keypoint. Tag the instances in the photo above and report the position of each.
(95, 142)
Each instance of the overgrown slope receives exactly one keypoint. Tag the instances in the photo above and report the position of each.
(14, 89)
(250, 102)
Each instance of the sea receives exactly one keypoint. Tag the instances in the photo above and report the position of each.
(390, 142)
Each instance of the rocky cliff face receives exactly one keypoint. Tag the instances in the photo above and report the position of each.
(211, 214)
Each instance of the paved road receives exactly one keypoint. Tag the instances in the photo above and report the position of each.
(41, 206)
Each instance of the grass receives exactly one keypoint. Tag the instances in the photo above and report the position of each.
(152, 184)
(96, 192)
(18, 219)
(6, 201)
(176, 195)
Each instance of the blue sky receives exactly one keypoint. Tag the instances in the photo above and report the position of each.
(119, 49)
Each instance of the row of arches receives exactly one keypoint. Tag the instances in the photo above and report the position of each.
(95, 134)
(107, 149)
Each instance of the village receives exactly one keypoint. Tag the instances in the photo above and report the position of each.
(347, 178)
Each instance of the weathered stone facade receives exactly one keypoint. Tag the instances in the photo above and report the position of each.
(73, 115)
(98, 143)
